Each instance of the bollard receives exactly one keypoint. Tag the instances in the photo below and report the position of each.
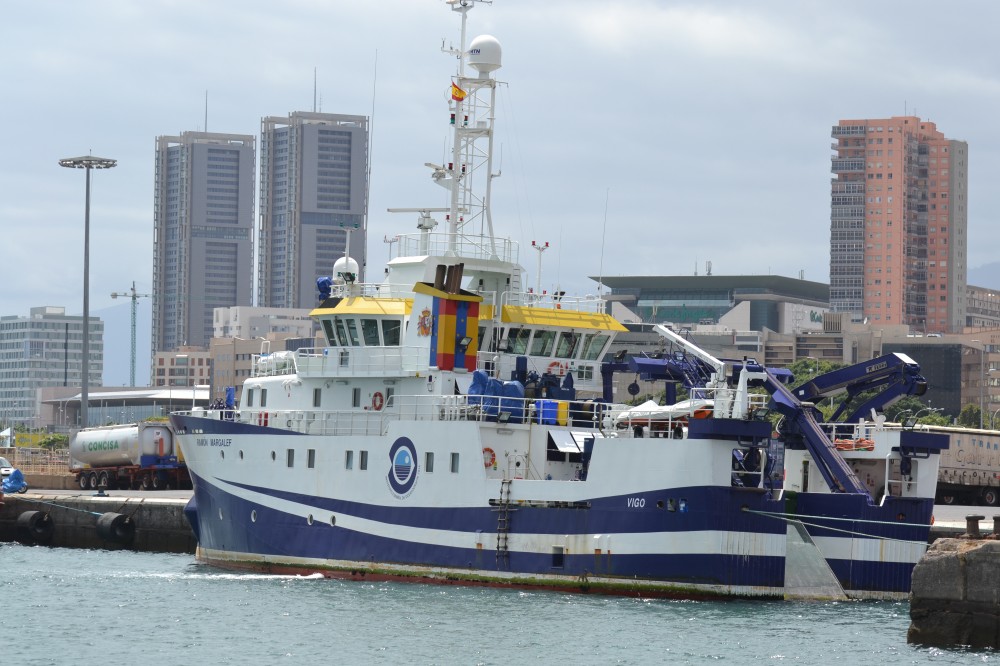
(972, 526)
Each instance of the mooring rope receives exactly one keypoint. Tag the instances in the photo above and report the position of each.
(60, 506)
(796, 518)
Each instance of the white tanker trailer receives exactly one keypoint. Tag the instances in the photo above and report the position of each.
(135, 455)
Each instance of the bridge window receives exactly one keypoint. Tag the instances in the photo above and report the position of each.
(249, 400)
(290, 457)
(542, 344)
(263, 397)
(331, 337)
(429, 462)
(390, 331)
(352, 332)
(341, 333)
(363, 460)
(454, 463)
(348, 459)
(566, 347)
(356, 397)
(369, 328)
(593, 345)
(517, 340)
(317, 397)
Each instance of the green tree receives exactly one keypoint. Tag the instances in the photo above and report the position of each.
(53, 442)
(970, 416)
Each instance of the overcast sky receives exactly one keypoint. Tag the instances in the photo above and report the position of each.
(704, 125)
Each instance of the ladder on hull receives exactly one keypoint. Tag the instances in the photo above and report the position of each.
(503, 524)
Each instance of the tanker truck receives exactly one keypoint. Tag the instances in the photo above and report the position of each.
(130, 456)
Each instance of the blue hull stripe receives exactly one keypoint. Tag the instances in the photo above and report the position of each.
(277, 534)
(894, 520)
(708, 509)
(215, 427)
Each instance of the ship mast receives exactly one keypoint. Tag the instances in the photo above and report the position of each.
(472, 115)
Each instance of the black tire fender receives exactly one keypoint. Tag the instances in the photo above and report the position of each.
(35, 526)
(116, 528)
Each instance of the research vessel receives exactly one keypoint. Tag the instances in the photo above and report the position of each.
(457, 426)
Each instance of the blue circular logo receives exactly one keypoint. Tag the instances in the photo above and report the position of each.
(403, 470)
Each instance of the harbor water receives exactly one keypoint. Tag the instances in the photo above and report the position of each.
(66, 606)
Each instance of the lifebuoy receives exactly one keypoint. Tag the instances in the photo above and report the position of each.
(377, 401)
(557, 368)
(262, 419)
(489, 457)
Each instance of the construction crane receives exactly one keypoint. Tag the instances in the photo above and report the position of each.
(134, 296)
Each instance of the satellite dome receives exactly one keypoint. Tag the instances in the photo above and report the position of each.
(346, 268)
(485, 54)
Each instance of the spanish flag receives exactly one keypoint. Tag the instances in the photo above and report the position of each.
(457, 93)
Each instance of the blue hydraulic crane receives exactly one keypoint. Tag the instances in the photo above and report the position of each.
(895, 375)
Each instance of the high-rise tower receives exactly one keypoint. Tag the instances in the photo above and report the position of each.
(898, 224)
(203, 242)
(313, 197)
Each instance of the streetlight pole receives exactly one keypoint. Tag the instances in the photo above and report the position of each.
(982, 375)
(86, 163)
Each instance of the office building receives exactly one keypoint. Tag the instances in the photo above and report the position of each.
(203, 241)
(898, 223)
(313, 197)
(249, 323)
(186, 366)
(738, 302)
(44, 349)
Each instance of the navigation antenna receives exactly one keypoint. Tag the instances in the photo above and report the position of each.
(473, 100)
(134, 296)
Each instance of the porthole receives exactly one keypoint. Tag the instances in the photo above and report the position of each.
(241, 454)
(253, 516)
(222, 454)
(333, 520)
(273, 456)
(309, 519)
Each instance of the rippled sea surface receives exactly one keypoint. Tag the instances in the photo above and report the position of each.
(113, 607)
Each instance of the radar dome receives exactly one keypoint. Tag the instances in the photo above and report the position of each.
(485, 54)
(344, 267)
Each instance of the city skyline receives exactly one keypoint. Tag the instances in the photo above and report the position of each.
(686, 123)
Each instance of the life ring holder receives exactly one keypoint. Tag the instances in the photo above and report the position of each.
(557, 368)
(489, 457)
(378, 401)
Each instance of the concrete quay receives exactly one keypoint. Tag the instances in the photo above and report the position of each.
(83, 520)
(955, 593)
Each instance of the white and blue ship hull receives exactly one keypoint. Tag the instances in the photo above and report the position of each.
(647, 530)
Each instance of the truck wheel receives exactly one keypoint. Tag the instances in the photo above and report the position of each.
(102, 480)
(83, 481)
(990, 496)
(158, 483)
(92, 480)
(146, 483)
(947, 499)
